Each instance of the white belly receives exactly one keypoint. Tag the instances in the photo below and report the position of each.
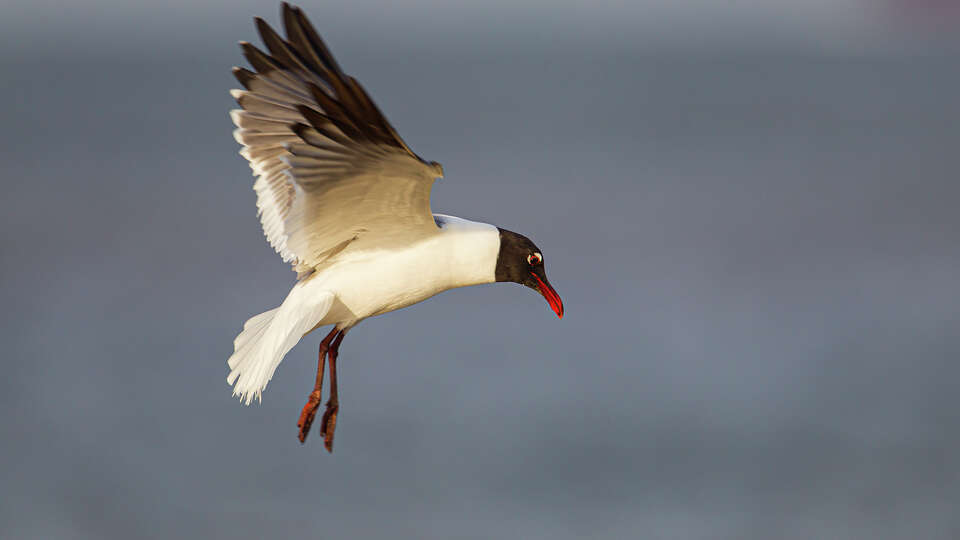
(374, 283)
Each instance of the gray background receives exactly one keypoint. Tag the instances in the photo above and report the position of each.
(750, 212)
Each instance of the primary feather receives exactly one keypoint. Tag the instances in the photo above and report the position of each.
(330, 168)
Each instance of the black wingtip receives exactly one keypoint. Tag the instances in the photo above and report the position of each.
(265, 30)
(304, 58)
(245, 76)
(257, 58)
(294, 17)
(262, 27)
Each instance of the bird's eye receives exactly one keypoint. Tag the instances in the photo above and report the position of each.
(534, 259)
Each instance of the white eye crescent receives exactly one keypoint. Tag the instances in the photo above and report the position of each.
(534, 259)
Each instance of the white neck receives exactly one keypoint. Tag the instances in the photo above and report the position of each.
(471, 250)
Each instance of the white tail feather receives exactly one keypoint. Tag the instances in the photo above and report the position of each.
(267, 337)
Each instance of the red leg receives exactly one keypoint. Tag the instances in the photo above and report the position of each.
(329, 422)
(313, 402)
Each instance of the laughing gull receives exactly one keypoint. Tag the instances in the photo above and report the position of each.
(344, 200)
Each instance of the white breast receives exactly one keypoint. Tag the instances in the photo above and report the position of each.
(374, 282)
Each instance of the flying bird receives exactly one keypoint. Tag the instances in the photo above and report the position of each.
(344, 200)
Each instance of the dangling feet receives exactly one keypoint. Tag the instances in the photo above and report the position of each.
(329, 423)
(313, 402)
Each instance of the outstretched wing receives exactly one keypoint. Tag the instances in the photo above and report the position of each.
(330, 168)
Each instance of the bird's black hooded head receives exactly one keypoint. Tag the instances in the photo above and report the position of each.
(521, 261)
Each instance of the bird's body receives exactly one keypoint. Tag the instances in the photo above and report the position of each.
(347, 203)
(362, 284)
(459, 254)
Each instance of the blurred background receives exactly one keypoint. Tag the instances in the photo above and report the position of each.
(750, 210)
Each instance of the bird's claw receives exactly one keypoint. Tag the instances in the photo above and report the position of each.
(307, 415)
(328, 424)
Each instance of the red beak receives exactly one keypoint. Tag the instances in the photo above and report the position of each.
(556, 304)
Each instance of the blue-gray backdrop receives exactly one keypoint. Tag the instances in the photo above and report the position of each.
(750, 211)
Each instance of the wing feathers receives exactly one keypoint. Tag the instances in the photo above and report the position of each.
(330, 167)
(278, 48)
(262, 105)
(257, 155)
(257, 122)
(260, 61)
(275, 88)
(293, 16)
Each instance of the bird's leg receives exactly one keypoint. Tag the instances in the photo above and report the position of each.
(313, 402)
(329, 422)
